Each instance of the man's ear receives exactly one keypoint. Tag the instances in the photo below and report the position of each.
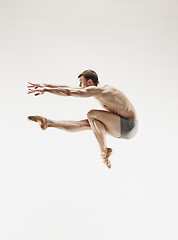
(90, 82)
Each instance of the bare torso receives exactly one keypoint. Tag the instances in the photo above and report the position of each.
(116, 102)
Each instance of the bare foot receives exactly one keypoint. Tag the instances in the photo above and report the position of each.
(106, 157)
(41, 120)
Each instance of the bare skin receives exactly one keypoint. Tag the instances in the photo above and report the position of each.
(101, 122)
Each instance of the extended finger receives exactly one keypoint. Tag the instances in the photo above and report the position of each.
(36, 91)
(36, 94)
(40, 93)
(32, 91)
(35, 87)
(34, 84)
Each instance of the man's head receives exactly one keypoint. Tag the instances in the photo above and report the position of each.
(88, 78)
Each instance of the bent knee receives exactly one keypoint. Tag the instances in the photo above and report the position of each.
(91, 113)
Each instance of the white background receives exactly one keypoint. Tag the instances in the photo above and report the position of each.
(53, 184)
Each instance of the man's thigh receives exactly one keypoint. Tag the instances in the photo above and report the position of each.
(111, 121)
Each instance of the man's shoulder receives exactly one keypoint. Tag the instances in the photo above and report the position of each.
(110, 88)
(103, 90)
(103, 87)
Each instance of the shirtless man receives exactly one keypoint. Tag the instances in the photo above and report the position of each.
(118, 119)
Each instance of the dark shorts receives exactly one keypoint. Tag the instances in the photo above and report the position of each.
(129, 127)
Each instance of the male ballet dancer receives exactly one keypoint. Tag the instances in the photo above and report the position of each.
(118, 119)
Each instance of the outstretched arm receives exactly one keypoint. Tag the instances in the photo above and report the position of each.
(35, 86)
(77, 92)
(39, 89)
(67, 91)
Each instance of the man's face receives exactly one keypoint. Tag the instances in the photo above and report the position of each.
(83, 82)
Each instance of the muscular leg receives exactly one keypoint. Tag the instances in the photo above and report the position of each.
(103, 122)
(70, 126)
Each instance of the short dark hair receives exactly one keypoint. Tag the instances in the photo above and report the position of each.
(90, 74)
